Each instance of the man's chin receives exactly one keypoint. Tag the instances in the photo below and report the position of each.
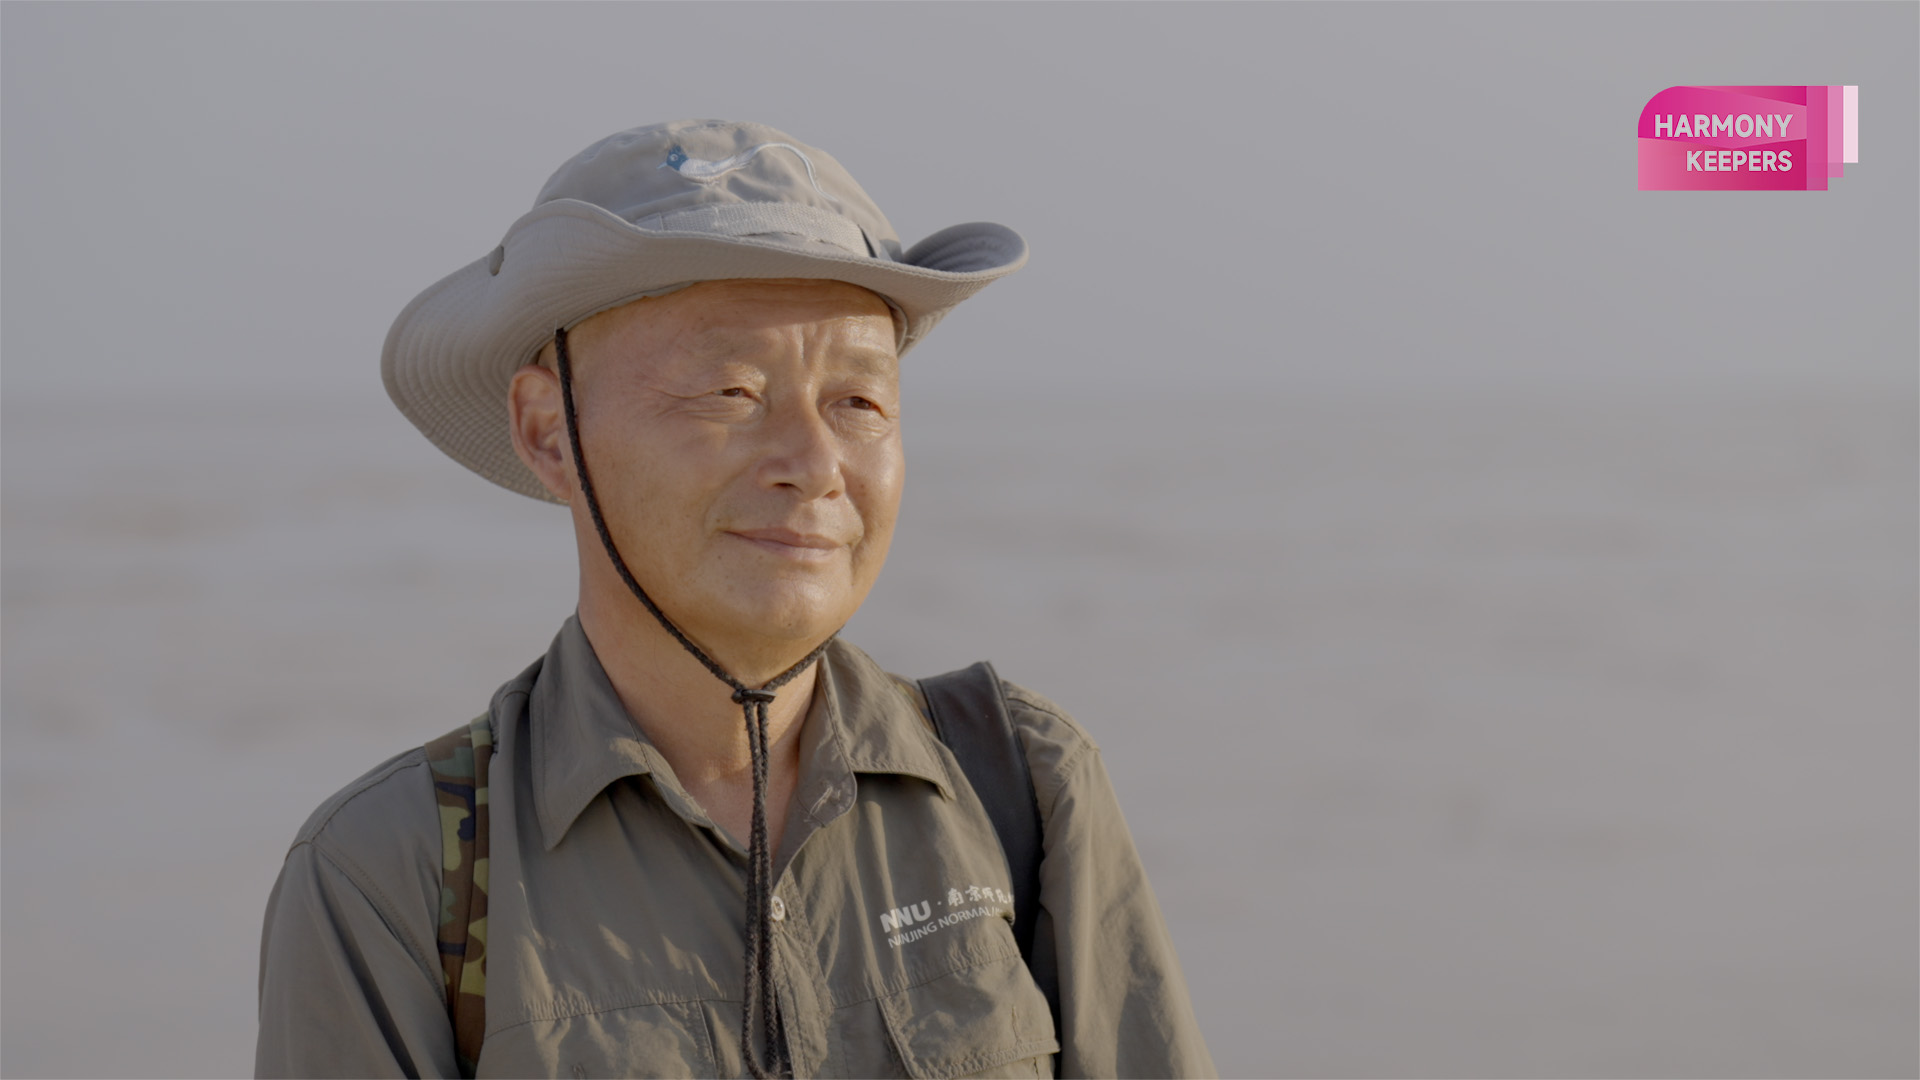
(792, 618)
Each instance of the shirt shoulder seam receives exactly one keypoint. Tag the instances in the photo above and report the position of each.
(312, 830)
(1083, 747)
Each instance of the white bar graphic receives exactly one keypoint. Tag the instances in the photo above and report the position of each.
(1852, 125)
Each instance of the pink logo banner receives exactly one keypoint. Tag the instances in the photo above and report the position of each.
(1748, 138)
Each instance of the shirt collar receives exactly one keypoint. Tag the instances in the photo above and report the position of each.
(582, 739)
(860, 720)
(880, 728)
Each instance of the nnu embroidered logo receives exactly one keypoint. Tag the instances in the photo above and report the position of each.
(703, 171)
(910, 923)
(906, 916)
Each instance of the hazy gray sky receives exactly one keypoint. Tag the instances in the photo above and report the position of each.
(244, 196)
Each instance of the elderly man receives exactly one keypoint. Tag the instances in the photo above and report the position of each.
(702, 835)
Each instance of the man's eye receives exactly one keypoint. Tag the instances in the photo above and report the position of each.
(734, 391)
(859, 402)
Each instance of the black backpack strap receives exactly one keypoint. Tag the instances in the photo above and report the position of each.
(969, 712)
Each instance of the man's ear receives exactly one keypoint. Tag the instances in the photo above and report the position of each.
(537, 419)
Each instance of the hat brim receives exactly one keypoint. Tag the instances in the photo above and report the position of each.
(451, 354)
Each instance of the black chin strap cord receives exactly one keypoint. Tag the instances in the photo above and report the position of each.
(760, 1004)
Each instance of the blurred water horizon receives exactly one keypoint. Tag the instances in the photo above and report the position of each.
(1520, 734)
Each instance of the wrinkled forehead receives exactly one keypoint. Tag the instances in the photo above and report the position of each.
(737, 319)
(870, 354)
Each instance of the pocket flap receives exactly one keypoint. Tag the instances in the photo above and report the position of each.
(973, 1020)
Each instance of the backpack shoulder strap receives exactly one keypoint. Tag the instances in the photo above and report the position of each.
(459, 761)
(969, 712)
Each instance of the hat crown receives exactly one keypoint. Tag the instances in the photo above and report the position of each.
(652, 175)
(643, 212)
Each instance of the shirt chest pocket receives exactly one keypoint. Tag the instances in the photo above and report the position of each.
(984, 1020)
(671, 1039)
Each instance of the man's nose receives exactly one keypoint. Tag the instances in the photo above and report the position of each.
(802, 453)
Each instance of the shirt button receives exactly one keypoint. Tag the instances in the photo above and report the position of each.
(779, 910)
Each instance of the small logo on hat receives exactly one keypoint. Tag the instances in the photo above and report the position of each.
(703, 171)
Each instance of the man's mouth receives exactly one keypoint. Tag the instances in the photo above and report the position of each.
(790, 544)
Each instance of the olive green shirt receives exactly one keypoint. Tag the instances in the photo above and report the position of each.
(615, 921)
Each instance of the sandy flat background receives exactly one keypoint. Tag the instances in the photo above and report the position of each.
(1478, 733)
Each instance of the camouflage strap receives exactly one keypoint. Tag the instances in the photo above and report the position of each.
(459, 762)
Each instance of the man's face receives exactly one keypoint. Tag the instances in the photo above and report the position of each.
(743, 438)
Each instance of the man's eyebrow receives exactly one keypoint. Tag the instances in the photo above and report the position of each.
(872, 361)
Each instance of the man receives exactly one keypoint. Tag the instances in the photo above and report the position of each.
(713, 838)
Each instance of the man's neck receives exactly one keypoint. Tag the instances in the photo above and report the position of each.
(691, 718)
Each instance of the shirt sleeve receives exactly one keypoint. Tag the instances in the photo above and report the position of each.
(1100, 938)
(348, 984)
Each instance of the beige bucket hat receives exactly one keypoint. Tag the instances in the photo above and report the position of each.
(641, 213)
